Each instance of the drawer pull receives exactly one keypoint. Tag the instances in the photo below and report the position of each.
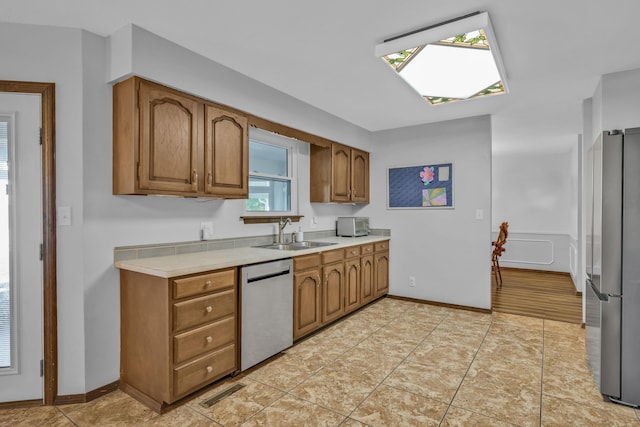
(209, 309)
(209, 339)
(209, 369)
(208, 283)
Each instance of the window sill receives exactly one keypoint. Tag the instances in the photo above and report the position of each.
(269, 219)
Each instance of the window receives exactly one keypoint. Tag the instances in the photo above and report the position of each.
(272, 173)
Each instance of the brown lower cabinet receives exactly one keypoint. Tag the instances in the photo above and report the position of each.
(381, 269)
(331, 284)
(177, 335)
(307, 295)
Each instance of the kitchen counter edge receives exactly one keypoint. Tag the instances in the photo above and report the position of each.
(198, 262)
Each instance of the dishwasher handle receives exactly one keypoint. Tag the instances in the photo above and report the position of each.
(268, 276)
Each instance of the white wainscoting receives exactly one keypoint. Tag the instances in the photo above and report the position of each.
(573, 263)
(538, 251)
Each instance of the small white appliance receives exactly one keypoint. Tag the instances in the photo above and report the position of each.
(352, 226)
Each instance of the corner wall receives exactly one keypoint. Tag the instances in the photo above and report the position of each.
(446, 250)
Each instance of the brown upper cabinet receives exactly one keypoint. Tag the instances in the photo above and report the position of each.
(339, 173)
(168, 142)
(226, 153)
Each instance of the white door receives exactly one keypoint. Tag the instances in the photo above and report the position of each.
(21, 323)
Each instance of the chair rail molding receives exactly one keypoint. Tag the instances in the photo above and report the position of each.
(538, 251)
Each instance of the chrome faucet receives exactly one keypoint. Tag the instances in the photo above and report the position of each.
(281, 225)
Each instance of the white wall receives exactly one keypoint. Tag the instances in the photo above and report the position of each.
(36, 53)
(614, 104)
(536, 194)
(620, 100)
(586, 142)
(447, 251)
(575, 263)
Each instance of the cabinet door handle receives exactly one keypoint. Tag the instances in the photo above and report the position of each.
(318, 280)
(209, 309)
(353, 192)
(209, 178)
(194, 182)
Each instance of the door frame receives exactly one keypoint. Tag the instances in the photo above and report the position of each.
(49, 274)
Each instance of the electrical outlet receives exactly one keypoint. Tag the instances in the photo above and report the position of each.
(412, 281)
(206, 230)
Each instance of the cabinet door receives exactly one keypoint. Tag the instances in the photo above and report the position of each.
(359, 176)
(333, 291)
(341, 176)
(306, 302)
(168, 146)
(352, 284)
(381, 276)
(226, 153)
(366, 277)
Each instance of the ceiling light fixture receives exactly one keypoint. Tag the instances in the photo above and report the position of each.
(454, 60)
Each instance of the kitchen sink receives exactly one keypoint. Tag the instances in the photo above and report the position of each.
(313, 244)
(295, 246)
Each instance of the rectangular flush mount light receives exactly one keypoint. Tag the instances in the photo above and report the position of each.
(455, 60)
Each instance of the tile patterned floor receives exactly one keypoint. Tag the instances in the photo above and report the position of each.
(394, 363)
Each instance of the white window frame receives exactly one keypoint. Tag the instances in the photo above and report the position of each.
(291, 145)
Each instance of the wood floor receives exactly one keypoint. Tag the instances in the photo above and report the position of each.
(542, 294)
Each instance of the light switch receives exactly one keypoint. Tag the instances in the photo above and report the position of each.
(479, 214)
(63, 215)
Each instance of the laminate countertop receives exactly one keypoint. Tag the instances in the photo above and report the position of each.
(198, 262)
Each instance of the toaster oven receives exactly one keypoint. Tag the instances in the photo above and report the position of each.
(352, 226)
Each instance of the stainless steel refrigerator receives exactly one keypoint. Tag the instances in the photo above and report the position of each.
(613, 265)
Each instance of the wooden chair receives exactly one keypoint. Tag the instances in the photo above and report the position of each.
(498, 249)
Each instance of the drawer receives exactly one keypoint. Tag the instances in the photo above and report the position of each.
(204, 309)
(203, 283)
(382, 246)
(305, 262)
(352, 252)
(366, 249)
(206, 369)
(202, 340)
(332, 256)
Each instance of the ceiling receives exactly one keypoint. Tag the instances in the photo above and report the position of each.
(322, 53)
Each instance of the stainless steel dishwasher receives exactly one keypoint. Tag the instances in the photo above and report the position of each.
(267, 310)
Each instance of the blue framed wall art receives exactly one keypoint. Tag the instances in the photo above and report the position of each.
(427, 186)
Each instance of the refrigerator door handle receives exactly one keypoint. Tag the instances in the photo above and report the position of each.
(602, 297)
